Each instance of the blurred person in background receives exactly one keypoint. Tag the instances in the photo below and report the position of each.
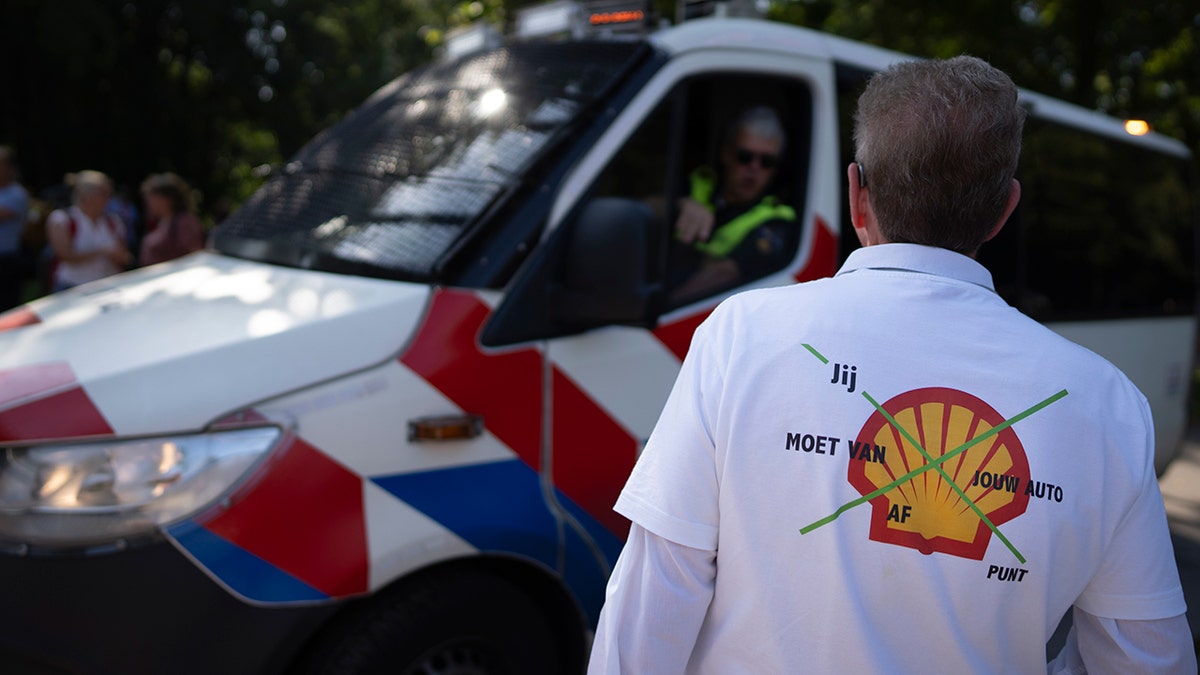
(123, 204)
(14, 203)
(87, 242)
(172, 230)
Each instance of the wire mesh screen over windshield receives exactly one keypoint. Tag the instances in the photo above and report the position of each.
(389, 190)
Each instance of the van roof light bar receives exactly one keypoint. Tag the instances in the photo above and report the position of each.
(617, 17)
(576, 19)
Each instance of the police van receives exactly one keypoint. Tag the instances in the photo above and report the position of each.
(381, 423)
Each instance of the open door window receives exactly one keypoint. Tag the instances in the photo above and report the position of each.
(730, 150)
(732, 145)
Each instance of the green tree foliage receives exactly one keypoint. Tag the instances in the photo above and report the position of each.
(221, 90)
(1129, 59)
(216, 90)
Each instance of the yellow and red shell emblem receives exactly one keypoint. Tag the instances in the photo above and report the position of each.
(925, 512)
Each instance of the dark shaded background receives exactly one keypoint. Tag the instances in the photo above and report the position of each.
(220, 91)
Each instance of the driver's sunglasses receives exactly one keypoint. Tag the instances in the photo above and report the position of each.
(747, 157)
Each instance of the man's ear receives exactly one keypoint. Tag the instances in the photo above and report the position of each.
(1014, 197)
(862, 216)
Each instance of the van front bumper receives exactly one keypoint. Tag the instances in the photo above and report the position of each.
(144, 610)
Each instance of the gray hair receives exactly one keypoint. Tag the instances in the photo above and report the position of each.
(87, 183)
(759, 121)
(939, 142)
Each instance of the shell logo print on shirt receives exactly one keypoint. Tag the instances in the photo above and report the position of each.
(941, 469)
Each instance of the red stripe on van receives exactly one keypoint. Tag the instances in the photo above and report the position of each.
(504, 387)
(593, 455)
(677, 336)
(44, 401)
(65, 414)
(29, 381)
(17, 318)
(303, 513)
(822, 262)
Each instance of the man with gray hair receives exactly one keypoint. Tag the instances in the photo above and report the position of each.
(964, 478)
(730, 228)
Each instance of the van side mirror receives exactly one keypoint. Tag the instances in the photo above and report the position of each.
(609, 272)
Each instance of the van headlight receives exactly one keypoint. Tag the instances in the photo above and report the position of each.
(105, 492)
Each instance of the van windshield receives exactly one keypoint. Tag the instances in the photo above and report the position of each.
(397, 183)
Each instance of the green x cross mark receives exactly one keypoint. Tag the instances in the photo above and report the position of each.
(933, 464)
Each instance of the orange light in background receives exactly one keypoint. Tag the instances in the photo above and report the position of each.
(1137, 127)
(603, 18)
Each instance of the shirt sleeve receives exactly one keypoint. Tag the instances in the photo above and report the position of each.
(673, 490)
(1138, 578)
(656, 601)
(1103, 646)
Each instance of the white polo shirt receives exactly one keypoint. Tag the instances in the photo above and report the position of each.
(898, 472)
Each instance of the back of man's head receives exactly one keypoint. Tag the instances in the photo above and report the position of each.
(938, 142)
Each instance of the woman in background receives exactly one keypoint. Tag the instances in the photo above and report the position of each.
(88, 244)
(172, 230)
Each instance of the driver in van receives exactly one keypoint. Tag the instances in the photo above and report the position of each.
(729, 226)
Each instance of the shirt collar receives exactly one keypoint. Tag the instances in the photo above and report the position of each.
(920, 259)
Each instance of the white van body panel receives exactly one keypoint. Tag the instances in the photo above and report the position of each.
(175, 346)
(632, 388)
(1160, 370)
(759, 36)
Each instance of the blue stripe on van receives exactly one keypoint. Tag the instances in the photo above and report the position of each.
(609, 543)
(582, 573)
(495, 507)
(498, 506)
(245, 573)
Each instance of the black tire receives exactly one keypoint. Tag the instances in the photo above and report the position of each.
(455, 623)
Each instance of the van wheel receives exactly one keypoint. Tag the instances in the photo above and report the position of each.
(466, 623)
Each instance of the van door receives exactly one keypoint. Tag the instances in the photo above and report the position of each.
(606, 385)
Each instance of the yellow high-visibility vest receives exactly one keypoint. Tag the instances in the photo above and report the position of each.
(727, 237)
